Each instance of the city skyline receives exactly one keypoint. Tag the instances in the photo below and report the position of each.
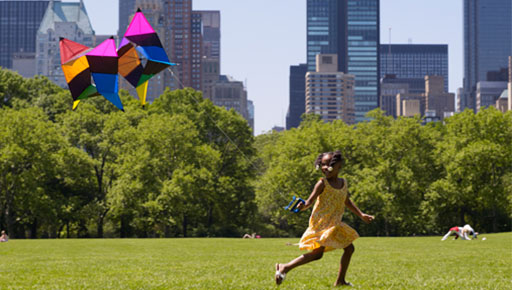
(252, 48)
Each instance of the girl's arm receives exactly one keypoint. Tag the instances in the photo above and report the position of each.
(353, 208)
(319, 187)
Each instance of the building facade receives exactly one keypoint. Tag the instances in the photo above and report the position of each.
(61, 19)
(389, 89)
(297, 93)
(127, 9)
(330, 93)
(435, 104)
(487, 93)
(363, 40)
(24, 63)
(510, 83)
(211, 75)
(210, 20)
(349, 29)
(437, 100)
(183, 44)
(250, 111)
(414, 61)
(487, 43)
(326, 32)
(210, 56)
(408, 104)
(231, 94)
(20, 20)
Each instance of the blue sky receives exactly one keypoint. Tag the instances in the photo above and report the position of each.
(260, 39)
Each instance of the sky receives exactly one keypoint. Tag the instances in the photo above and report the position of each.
(261, 39)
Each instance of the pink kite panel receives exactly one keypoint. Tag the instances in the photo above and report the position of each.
(106, 48)
(139, 25)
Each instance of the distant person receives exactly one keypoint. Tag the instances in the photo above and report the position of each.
(457, 231)
(4, 237)
(326, 231)
(468, 230)
(252, 236)
(461, 232)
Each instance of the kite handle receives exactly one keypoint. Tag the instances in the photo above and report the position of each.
(292, 206)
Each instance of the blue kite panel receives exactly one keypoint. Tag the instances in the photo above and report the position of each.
(114, 99)
(155, 53)
(106, 83)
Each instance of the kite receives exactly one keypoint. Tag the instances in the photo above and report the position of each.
(83, 65)
(141, 37)
(76, 70)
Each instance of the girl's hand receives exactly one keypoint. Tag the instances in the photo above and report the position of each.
(301, 206)
(367, 218)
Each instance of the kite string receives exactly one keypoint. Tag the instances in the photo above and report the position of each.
(218, 127)
(214, 122)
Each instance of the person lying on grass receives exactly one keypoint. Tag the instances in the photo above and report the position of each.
(326, 231)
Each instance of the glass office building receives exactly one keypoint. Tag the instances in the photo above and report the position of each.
(363, 53)
(350, 29)
(414, 61)
(326, 31)
(297, 95)
(19, 22)
(487, 42)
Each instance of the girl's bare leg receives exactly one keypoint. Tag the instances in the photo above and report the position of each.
(316, 254)
(345, 261)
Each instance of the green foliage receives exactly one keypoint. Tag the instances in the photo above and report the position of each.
(184, 167)
(416, 179)
(179, 167)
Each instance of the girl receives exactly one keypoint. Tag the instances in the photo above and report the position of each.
(326, 231)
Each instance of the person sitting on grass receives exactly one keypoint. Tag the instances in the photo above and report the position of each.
(326, 231)
(4, 237)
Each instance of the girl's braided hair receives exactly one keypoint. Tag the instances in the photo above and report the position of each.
(336, 157)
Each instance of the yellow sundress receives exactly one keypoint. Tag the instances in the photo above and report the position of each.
(325, 225)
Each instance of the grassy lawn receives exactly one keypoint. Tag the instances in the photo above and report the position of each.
(378, 263)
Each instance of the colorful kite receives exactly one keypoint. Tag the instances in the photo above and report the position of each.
(76, 70)
(148, 44)
(81, 64)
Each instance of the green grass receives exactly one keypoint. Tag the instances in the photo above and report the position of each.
(378, 263)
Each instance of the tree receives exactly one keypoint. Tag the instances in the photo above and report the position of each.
(29, 149)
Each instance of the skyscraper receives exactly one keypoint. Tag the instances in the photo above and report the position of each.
(127, 9)
(487, 43)
(210, 20)
(326, 30)
(184, 42)
(297, 95)
(363, 25)
(210, 54)
(19, 22)
(349, 29)
(408, 61)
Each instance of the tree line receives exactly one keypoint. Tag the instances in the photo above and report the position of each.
(175, 168)
(183, 167)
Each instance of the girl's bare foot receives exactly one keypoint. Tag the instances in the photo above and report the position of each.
(280, 275)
